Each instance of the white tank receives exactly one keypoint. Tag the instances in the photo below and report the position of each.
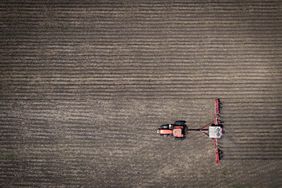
(215, 132)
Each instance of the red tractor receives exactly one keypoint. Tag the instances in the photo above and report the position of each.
(177, 130)
(213, 130)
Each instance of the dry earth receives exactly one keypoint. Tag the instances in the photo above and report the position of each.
(85, 84)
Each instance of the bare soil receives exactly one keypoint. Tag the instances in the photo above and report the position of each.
(85, 85)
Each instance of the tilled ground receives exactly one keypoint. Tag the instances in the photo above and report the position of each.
(85, 85)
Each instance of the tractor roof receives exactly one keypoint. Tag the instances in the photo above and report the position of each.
(177, 132)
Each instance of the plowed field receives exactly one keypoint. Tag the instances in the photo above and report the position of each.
(85, 85)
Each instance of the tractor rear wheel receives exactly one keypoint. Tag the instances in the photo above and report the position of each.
(180, 123)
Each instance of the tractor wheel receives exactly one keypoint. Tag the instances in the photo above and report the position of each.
(180, 123)
(165, 126)
(179, 139)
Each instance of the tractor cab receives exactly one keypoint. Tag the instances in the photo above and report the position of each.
(178, 132)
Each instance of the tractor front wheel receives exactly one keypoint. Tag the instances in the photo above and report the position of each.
(165, 126)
